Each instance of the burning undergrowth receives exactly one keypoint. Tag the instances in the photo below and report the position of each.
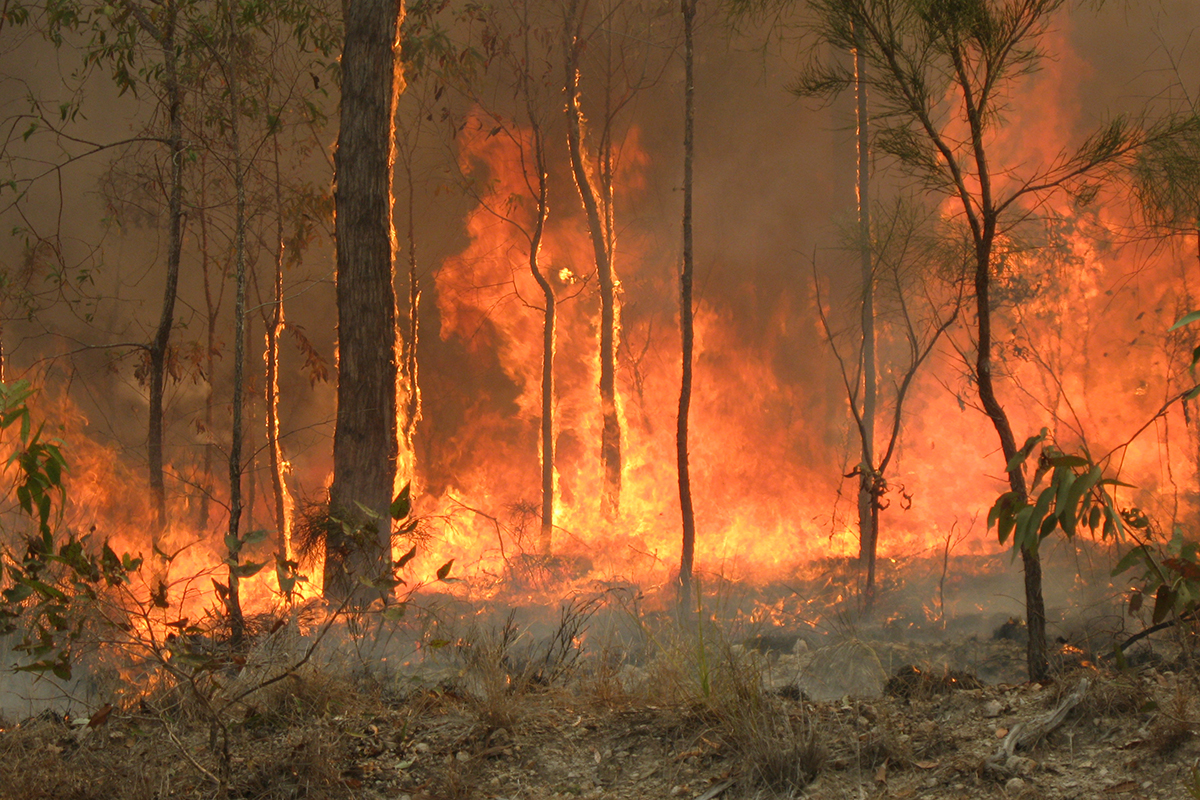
(614, 694)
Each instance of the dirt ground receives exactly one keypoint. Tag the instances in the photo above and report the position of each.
(928, 734)
(614, 702)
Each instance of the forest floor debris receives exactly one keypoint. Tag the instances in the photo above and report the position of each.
(1102, 735)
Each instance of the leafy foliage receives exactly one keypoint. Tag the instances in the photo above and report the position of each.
(52, 585)
(1075, 495)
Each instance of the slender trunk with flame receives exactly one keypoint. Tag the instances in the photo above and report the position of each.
(610, 435)
(365, 443)
(162, 336)
(408, 365)
(233, 538)
(685, 315)
(867, 498)
(535, 245)
(283, 521)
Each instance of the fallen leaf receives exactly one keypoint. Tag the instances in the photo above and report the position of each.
(926, 764)
(881, 773)
(1001, 733)
(1123, 786)
(101, 716)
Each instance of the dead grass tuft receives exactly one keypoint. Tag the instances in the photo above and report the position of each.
(1173, 727)
(1114, 695)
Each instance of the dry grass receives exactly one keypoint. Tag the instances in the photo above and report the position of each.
(1173, 726)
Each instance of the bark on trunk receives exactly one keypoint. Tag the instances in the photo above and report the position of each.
(212, 310)
(1035, 608)
(685, 316)
(159, 345)
(535, 244)
(610, 435)
(365, 442)
(868, 516)
(237, 623)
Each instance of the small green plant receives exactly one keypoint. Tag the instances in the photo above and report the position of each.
(1075, 495)
(55, 583)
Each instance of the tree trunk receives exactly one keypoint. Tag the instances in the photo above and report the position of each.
(408, 366)
(162, 336)
(610, 435)
(233, 537)
(283, 505)
(1035, 608)
(365, 445)
(685, 315)
(867, 485)
(535, 245)
(212, 310)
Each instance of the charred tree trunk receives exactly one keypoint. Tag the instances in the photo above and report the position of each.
(365, 445)
(685, 315)
(867, 485)
(610, 435)
(160, 344)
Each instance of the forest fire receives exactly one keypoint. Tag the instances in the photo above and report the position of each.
(551, 398)
(1084, 292)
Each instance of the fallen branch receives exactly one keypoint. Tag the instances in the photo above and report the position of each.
(1025, 735)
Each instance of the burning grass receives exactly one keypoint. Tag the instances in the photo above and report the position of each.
(613, 695)
(505, 710)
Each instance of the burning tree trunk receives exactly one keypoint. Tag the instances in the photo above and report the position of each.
(282, 500)
(685, 314)
(610, 436)
(365, 445)
(408, 364)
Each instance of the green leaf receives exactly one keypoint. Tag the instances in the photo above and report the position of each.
(1119, 657)
(394, 613)
(1048, 526)
(1164, 601)
(402, 505)
(1134, 556)
(1079, 489)
(407, 557)
(1067, 461)
(255, 536)
(43, 589)
(444, 570)
(1186, 319)
(438, 644)
(246, 570)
